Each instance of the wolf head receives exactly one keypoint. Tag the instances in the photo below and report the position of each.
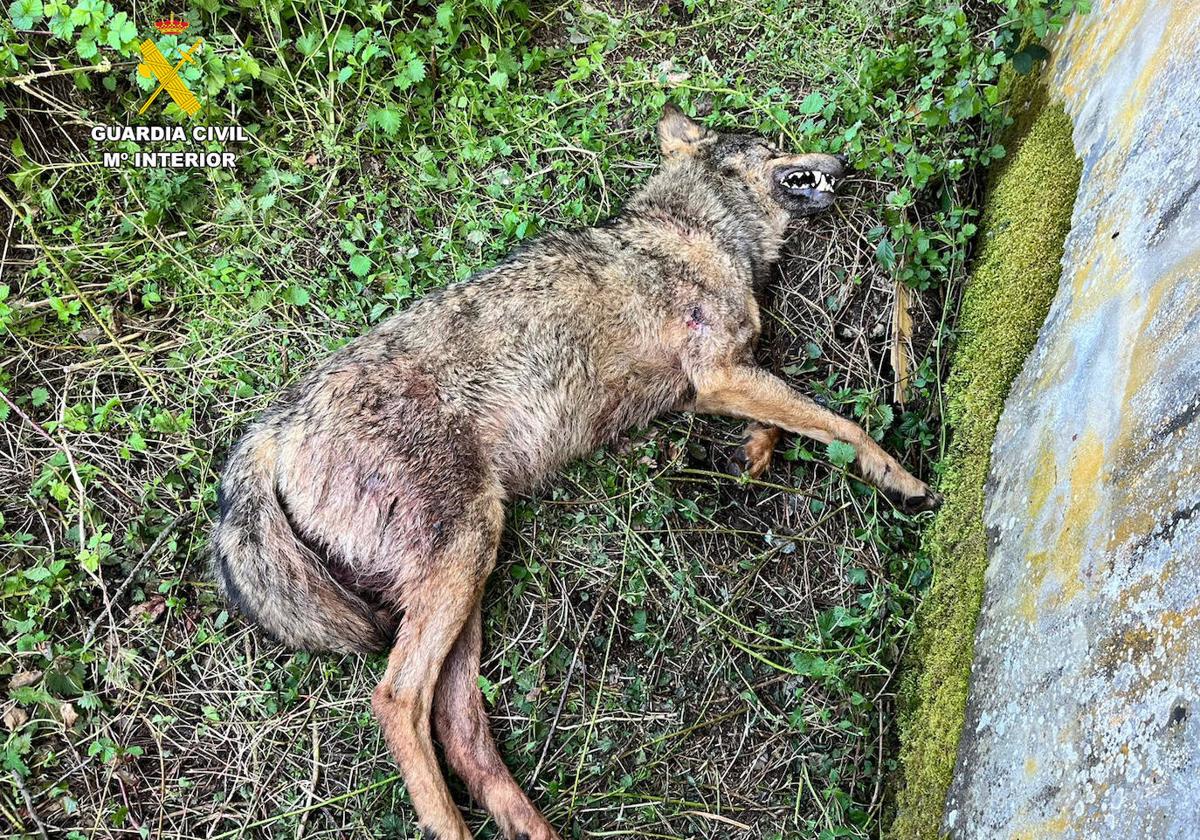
(783, 185)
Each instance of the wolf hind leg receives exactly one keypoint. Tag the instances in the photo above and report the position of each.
(436, 609)
(461, 724)
(757, 449)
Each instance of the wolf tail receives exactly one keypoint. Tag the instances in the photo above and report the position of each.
(274, 577)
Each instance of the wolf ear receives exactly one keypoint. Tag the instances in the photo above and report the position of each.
(678, 135)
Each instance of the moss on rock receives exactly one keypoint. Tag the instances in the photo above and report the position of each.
(1014, 279)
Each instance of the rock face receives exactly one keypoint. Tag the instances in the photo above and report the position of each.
(1084, 713)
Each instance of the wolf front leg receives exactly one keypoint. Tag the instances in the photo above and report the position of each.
(754, 394)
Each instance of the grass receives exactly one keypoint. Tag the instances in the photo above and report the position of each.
(1005, 303)
(670, 652)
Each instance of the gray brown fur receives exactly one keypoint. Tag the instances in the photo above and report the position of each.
(365, 507)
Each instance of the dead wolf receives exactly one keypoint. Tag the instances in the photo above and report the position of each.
(364, 508)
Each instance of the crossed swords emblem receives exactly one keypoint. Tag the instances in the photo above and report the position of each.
(154, 65)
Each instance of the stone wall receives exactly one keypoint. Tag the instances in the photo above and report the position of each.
(1084, 712)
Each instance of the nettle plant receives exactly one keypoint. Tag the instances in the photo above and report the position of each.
(389, 49)
(938, 102)
(935, 95)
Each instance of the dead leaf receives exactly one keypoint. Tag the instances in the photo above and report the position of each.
(150, 610)
(69, 715)
(15, 718)
(311, 160)
(24, 678)
(902, 327)
(672, 75)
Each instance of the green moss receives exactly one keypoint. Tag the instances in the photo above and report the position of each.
(1016, 274)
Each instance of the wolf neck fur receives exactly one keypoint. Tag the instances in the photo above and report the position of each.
(696, 208)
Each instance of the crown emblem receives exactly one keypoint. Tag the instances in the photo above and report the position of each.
(171, 26)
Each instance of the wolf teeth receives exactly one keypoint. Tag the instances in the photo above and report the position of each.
(809, 179)
(800, 179)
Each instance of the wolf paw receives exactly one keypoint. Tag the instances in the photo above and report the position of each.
(929, 500)
(753, 458)
(915, 500)
(758, 454)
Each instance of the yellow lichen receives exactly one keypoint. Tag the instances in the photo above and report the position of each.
(1005, 302)
(1100, 43)
(1061, 566)
(1177, 38)
(1044, 479)
(1044, 829)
